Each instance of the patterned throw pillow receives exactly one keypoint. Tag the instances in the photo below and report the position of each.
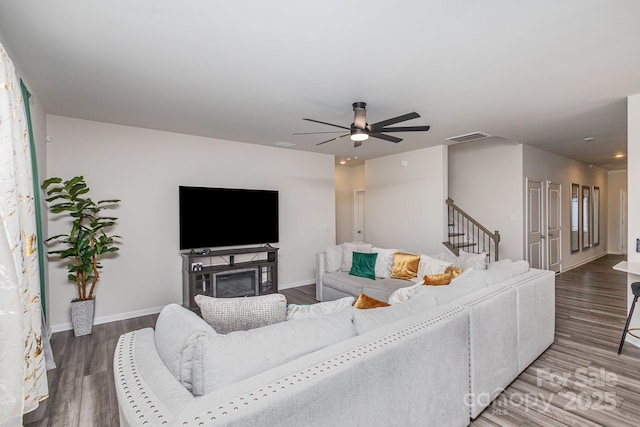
(241, 314)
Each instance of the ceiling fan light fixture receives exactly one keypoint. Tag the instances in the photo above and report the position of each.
(359, 134)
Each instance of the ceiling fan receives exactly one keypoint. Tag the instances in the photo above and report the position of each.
(360, 130)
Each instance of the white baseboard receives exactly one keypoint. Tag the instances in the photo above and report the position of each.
(112, 318)
(145, 312)
(587, 261)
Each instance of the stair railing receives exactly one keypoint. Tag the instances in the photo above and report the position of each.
(468, 234)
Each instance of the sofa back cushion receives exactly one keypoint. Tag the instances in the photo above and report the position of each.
(332, 258)
(348, 248)
(178, 334)
(367, 320)
(307, 311)
(226, 359)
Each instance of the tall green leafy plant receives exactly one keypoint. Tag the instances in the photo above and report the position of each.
(87, 240)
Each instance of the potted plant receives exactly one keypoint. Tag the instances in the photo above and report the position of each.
(84, 244)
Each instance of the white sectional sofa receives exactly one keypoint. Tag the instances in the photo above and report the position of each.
(436, 359)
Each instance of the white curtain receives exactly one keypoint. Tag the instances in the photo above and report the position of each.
(23, 377)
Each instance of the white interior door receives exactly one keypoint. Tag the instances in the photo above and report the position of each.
(554, 227)
(359, 229)
(534, 224)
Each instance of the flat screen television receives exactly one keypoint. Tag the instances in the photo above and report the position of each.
(216, 217)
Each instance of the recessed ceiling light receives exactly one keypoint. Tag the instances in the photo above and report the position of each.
(619, 156)
(342, 162)
(590, 138)
(284, 144)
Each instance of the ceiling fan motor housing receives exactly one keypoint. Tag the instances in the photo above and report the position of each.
(360, 116)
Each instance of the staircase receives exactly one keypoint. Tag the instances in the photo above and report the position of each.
(467, 234)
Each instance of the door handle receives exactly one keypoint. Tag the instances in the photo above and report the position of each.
(550, 235)
(542, 236)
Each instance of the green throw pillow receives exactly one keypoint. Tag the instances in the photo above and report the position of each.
(364, 265)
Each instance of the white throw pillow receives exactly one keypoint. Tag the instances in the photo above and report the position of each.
(403, 294)
(384, 262)
(470, 260)
(430, 265)
(499, 264)
(332, 258)
(241, 314)
(348, 248)
(446, 256)
(307, 311)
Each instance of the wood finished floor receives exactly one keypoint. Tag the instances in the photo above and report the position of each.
(579, 381)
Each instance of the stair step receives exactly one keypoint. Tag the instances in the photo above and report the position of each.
(463, 245)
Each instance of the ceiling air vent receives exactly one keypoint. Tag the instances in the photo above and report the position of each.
(468, 137)
(284, 144)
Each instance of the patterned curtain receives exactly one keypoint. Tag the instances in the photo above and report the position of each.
(23, 377)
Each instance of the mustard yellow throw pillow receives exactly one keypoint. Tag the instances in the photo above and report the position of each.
(365, 302)
(437, 279)
(405, 266)
(455, 271)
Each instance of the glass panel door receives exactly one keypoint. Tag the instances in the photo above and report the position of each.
(586, 217)
(575, 218)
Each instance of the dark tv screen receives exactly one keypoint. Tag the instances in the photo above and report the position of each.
(215, 217)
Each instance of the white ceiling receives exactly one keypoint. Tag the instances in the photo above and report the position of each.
(546, 73)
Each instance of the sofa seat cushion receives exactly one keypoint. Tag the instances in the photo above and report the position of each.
(353, 285)
(226, 359)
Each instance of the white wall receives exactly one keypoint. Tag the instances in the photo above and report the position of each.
(405, 205)
(633, 171)
(144, 168)
(617, 182)
(485, 180)
(541, 165)
(348, 179)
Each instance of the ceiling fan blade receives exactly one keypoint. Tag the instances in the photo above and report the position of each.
(385, 137)
(333, 139)
(405, 129)
(315, 133)
(360, 116)
(377, 126)
(325, 123)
